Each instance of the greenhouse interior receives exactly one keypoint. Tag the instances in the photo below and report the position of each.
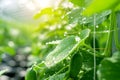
(59, 39)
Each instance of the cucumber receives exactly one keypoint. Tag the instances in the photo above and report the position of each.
(31, 75)
(97, 47)
(75, 65)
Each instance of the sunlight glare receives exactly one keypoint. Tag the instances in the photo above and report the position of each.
(44, 3)
(30, 6)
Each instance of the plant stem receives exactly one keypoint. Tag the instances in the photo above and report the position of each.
(108, 48)
(116, 32)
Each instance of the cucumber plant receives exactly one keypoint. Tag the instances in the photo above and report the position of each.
(85, 52)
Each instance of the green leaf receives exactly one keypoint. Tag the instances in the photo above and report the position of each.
(58, 68)
(61, 51)
(8, 50)
(44, 11)
(65, 48)
(117, 8)
(109, 68)
(80, 2)
(57, 77)
(31, 74)
(75, 17)
(100, 5)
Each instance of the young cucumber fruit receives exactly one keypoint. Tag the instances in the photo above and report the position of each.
(75, 65)
(31, 75)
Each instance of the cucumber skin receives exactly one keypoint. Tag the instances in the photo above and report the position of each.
(75, 65)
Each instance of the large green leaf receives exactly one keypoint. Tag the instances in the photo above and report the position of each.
(75, 17)
(51, 73)
(65, 48)
(80, 2)
(117, 8)
(100, 5)
(109, 69)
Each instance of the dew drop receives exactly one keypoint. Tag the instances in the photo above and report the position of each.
(97, 26)
(54, 61)
(68, 58)
(84, 20)
(77, 38)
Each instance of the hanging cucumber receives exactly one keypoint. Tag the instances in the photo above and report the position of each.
(75, 65)
(96, 44)
(31, 74)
